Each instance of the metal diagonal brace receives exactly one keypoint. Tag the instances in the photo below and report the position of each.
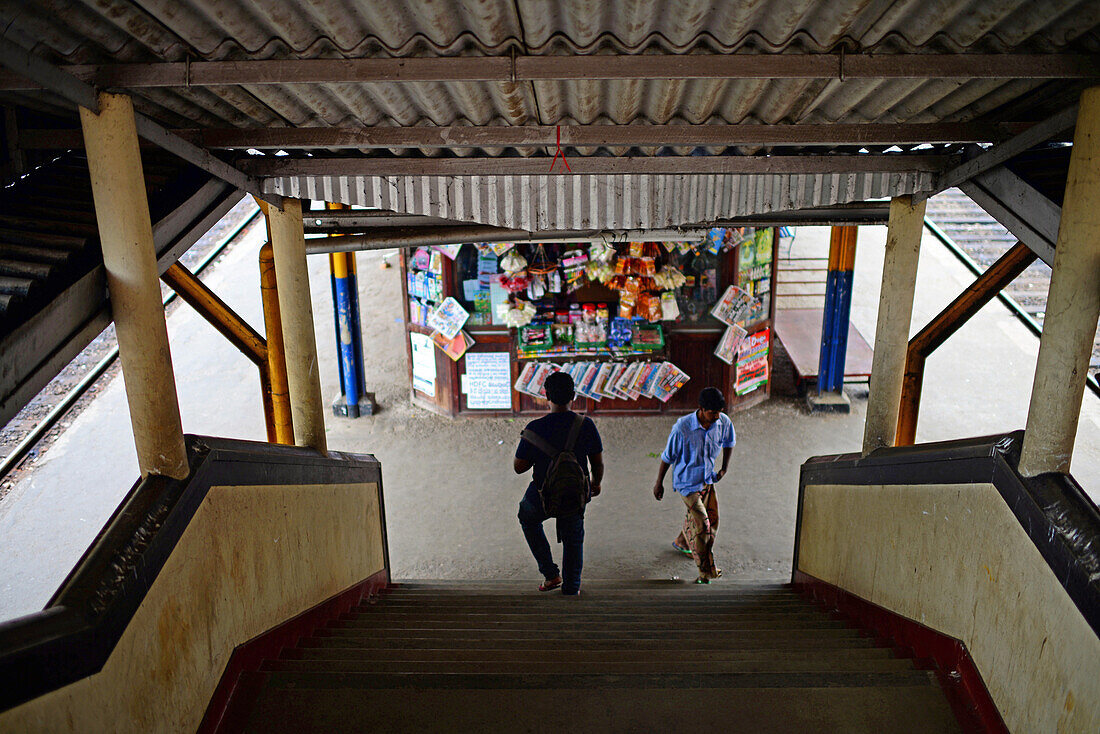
(951, 319)
(78, 92)
(230, 325)
(998, 154)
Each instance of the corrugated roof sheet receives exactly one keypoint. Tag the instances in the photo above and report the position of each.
(585, 202)
(96, 31)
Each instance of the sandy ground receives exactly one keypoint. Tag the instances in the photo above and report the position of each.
(451, 496)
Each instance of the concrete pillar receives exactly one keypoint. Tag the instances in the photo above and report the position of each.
(1073, 307)
(895, 312)
(129, 257)
(303, 376)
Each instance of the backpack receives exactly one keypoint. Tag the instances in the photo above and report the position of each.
(566, 489)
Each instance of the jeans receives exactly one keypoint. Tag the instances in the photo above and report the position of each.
(570, 534)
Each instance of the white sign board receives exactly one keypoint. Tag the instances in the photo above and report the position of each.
(423, 358)
(488, 380)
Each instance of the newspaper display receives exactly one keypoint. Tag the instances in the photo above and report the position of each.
(453, 348)
(730, 344)
(616, 380)
(734, 306)
(670, 378)
(449, 318)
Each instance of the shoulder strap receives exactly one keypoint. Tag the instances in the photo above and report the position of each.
(574, 432)
(538, 442)
(544, 446)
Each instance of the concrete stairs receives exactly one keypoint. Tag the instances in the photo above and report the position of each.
(624, 656)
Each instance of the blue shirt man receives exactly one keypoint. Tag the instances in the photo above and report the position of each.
(692, 451)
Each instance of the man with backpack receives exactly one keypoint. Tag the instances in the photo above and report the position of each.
(694, 445)
(560, 446)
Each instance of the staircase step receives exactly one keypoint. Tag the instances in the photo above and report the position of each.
(577, 609)
(620, 583)
(699, 593)
(320, 680)
(646, 649)
(616, 632)
(747, 641)
(807, 710)
(307, 650)
(523, 667)
(536, 620)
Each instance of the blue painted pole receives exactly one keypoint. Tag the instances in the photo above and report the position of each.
(345, 344)
(837, 311)
(356, 328)
(336, 317)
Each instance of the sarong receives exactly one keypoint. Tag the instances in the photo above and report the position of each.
(700, 528)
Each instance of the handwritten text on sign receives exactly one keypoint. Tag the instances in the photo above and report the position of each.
(489, 380)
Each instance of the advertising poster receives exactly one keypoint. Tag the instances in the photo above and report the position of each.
(752, 364)
(423, 363)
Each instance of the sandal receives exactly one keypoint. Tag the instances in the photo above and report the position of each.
(681, 548)
(702, 580)
(550, 584)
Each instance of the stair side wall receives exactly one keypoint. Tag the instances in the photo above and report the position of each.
(251, 558)
(954, 558)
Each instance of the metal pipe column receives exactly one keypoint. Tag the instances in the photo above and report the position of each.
(1073, 307)
(838, 310)
(347, 404)
(354, 400)
(282, 422)
(895, 313)
(130, 260)
(303, 376)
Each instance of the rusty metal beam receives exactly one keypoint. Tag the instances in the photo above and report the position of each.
(577, 67)
(950, 320)
(43, 74)
(217, 313)
(1040, 133)
(268, 167)
(235, 329)
(502, 136)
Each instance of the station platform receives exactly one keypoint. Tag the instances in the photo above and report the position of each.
(799, 329)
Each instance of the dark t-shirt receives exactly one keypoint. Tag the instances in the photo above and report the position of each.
(554, 428)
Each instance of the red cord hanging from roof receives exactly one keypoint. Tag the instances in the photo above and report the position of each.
(559, 152)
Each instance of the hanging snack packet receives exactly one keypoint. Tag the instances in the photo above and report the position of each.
(627, 301)
(670, 309)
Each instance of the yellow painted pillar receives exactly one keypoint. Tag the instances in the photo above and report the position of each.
(895, 312)
(1073, 307)
(296, 310)
(129, 257)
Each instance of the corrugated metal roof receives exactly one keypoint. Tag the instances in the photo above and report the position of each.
(585, 202)
(96, 31)
(101, 31)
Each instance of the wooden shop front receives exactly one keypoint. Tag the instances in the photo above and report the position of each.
(653, 304)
